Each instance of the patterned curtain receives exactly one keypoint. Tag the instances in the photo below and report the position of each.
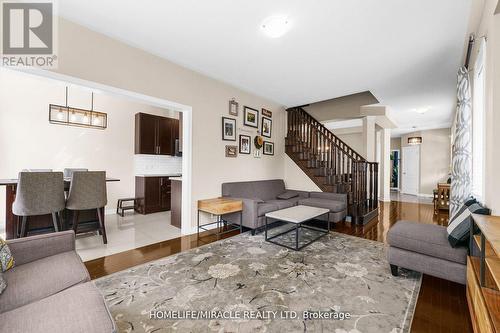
(461, 159)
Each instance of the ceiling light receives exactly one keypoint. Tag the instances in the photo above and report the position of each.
(275, 26)
(415, 140)
(421, 110)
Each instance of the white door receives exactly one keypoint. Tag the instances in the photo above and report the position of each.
(411, 169)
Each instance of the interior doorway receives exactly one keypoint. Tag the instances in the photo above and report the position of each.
(395, 169)
(411, 170)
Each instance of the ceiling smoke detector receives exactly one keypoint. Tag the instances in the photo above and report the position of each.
(275, 26)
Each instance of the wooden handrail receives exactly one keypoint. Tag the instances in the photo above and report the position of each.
(336, 140)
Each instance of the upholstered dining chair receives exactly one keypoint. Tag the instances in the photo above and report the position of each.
(68, 172)
(88, 191)
(39, 193)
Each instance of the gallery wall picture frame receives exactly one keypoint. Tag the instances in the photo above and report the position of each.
(233, 108)
(266, 113)
(228, 129)
(231, 151)
(268, 148)
(266, 127)
(250, 117)
(256, 153)
(245, 144)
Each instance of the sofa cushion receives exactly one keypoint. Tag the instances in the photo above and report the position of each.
(77, 309)
(6, 258)
(459, 226)
(428, 239)
(282, 204)
(265, 207)
(287, 195)
(333, 206)
(3, 283)
(41, 278)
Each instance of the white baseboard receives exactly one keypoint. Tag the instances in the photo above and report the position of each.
(425, 195)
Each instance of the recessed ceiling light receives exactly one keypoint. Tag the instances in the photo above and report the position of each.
(275, 26)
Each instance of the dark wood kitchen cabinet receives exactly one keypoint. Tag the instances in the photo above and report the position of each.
(153, 193)
(155, 135)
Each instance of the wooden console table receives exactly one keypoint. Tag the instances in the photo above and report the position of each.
(219, 207)
(483, 274)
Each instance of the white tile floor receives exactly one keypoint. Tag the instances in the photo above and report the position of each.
(127, 233)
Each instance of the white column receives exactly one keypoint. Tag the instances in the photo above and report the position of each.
(385, 165)
(369, 138)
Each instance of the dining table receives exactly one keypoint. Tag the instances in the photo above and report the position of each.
(41, 223)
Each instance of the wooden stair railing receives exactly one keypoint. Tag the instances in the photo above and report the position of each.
(332, 164)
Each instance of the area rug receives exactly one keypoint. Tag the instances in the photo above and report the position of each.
(337, 284)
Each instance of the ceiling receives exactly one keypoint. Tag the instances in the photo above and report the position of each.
(406, 52)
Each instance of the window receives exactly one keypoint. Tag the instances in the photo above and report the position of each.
(478, 126)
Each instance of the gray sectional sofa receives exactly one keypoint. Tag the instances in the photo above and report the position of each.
(265, 196)
(48, 290)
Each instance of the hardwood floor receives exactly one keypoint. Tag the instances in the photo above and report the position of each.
(441, 305)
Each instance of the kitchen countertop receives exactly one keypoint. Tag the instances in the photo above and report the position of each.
(176, 178)
(161, 175)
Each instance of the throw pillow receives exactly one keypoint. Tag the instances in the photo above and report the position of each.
(287, 195)
(3, 283)
(459, 227)
(6, 258)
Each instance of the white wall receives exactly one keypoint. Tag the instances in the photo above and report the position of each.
(91, 56)
(28, 140)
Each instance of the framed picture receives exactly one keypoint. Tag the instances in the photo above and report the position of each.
(228, 129)
(250, 117)
(256, 153)
(231, 151)
(267, 125)
(245, 145)
(268, 148)
(233, 108)
(266, 113)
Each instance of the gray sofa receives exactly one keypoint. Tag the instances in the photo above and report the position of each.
(48, 290)
(261, 197)
(425, 248)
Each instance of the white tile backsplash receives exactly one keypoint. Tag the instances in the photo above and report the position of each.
(157, 164)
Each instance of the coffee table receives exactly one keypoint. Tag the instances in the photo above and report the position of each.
(297, 215)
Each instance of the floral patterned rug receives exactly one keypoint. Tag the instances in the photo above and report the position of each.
(338, 284)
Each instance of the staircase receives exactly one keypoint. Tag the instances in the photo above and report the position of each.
(332, 164)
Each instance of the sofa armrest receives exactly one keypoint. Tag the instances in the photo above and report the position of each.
(342, 197)
(249, 213)
(28, 249)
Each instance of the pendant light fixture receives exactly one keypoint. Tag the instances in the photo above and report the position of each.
(66, 115)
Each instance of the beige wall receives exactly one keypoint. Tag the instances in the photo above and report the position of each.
(296, 179)
(395, 143)
(489, 25)
(354, 140)
(94, 57)
(29, 141)
(434, 158)
(342, 107)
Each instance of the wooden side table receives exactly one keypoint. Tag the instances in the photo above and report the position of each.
(219, 207)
